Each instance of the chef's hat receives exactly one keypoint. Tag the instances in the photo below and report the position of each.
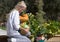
(22, 3)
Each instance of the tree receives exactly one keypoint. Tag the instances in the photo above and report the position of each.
(40, 13)
(6, 6)
(52, 9)
(31, 6)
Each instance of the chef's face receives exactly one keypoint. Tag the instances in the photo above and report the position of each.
(22, 9)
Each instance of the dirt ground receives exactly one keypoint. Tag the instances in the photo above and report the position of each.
(54, 39)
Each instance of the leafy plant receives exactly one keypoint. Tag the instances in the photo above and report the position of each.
(35, 26)
(53, 27)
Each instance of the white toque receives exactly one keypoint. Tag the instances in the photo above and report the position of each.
(22, 3)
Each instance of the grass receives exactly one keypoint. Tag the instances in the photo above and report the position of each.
(3, 27)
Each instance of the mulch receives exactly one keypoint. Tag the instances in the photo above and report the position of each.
(3, 38)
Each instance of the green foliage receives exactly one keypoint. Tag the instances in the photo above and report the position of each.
(35, 26)
(3, 27)
(32, 6)
(5, 7)
(52, 9)
(37, 20)
(40, 13)
(53, 27)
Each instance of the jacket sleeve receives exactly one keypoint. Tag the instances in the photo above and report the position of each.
(16, 21)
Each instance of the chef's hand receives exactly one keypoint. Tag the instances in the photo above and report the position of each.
(25, 30)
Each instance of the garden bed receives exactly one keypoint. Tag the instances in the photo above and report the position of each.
(3, 38)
